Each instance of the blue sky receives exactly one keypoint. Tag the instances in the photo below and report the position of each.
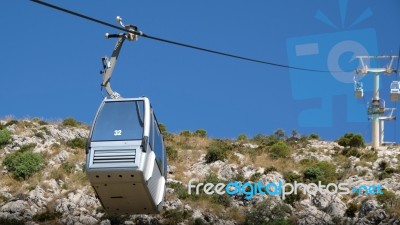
(51, 62)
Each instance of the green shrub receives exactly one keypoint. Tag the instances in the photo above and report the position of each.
(198, 221)
(266, 212)
(313, 174)
(383, 165)
(280, 133)
(292, 198)
(314, 136)
(28, 147)
(42, 122)
(214, 154)
(255, 177)
(217, 150)
(175, 216)
(295, 133)
(77, 143)
(163, 128)
(321, 171)
(391, 170)
(261, 139)
(351, 140)
(356, 141)
(185, 133)
(308, 162)
(9, 221)
(172, 154)
(5, 137)
(242, 138)
(39, 135)
(351, 210)
(224, 200)
(70, 122)
(23, 163)
(384, 175)
(180, 190)
(362, 173)
(39, 121)
(270, 169)
(46, 216)
(351, 152)
(212, 178)
(388, 198)
(280, 150)
(115, 219)
(291, 177)
(68, 167)
(370, 156)
(9, 123)
(200, 133)
(239, 177)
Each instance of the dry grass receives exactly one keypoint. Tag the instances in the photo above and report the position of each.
(282, 165)
(235, 214)
(185, 143)
(206, 205)
(14, 186)
(186, 158)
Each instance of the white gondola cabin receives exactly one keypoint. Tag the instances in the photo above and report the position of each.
(358, 90)
(126, 160)
(395, 91)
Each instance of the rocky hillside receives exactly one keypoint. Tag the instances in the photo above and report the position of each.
(42, 179)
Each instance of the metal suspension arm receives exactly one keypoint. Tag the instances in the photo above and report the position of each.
(109, 65)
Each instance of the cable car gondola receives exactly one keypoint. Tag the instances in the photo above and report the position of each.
(126, 161)
(358, 90)
(395, 91)
(125, 157)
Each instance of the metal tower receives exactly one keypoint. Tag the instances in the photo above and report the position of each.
(376, 108)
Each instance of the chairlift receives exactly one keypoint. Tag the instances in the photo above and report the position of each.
(395, 91)
(358, 90)
(125, 157)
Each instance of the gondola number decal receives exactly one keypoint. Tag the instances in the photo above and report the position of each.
(117, 132)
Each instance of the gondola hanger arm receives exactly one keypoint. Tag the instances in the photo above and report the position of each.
(109, 64)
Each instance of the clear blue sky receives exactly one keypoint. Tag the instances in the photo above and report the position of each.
(51, 62)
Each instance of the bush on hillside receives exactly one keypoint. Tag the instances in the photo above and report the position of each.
(266, 212)
(279, 150)
(185, 133)
(172, 153)
(241, 138)
(321, 171)
(163, 128)
(351, 140)
(351, 210)
(23, 163)
(217, 150)
(5, 137)
(70, 122)
(77, 143)
(200, 133)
